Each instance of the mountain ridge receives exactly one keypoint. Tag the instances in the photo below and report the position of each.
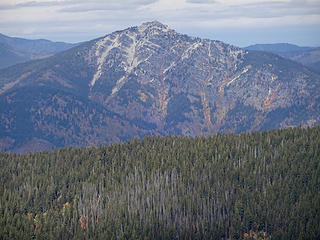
(278, 47)
(15, 50)
(158, 82)
(308, 56)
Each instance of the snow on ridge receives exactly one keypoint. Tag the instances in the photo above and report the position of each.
(130, 58)
(102, 58)
(131, 63)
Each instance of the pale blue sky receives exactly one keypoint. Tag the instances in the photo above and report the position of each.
(238, 22)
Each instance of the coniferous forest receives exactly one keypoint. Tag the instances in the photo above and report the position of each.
(253, 185)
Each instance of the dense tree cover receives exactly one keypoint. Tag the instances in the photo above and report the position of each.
(252, 185)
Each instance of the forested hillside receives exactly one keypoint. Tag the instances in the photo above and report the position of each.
(252, 185)
(151, 80)
(308, 56)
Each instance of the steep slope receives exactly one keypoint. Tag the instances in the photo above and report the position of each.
(308, 56)
(18, 50)
(160, 82)
(197, 86)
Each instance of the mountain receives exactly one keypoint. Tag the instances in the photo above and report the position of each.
(151, 80)
(308, 56)
(18, 50)
(278, 48)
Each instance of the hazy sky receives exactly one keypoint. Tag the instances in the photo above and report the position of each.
(239, 22)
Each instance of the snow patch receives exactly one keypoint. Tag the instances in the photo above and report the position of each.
(209, 50)
(101, 57)
(190, 49)
(131, 63)
(119, 84)
(168, 68)
(236, 77)
(131, 51)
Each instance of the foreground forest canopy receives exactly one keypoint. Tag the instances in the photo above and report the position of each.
(253, 185)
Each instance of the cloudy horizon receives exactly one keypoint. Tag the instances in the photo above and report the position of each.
(241, 23)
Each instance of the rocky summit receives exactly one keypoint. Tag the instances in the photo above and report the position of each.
(150, 80)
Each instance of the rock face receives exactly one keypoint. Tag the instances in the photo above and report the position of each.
(151, 80)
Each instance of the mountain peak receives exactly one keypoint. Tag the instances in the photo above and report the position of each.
(151, 80)
(154, 25)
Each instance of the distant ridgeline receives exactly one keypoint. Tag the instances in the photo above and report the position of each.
(253, 185)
